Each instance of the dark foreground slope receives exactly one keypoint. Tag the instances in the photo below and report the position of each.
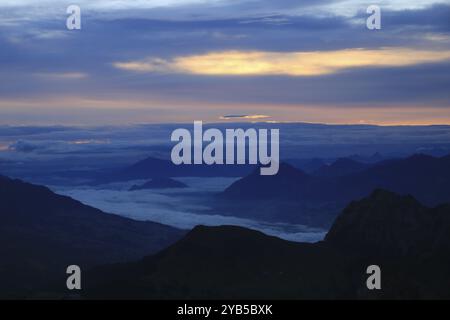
(41, 233)
(224, 262)
(392, 225)
(408, 241)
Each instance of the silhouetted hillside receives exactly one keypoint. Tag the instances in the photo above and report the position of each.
(306, 165)
(229, 262)
(42, 233)
(340, 167)
(223, 262)
(392, 224)
(374, 158)
(287, 183)
(425, 177)
(158, 168)
(159, 183)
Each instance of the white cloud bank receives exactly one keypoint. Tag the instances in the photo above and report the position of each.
(179, 208)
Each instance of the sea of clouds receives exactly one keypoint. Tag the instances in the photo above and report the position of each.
(35, 153)
(180, 208)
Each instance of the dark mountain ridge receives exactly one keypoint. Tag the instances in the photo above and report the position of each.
(286, 184)
(341, 167)
(42, 233)
(159, 183)
(425, 177)
(160, 168)
(392, 224)
(231, 262)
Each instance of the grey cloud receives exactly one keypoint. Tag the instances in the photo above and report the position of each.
(24, 146)
(436, 17)
(171, 32)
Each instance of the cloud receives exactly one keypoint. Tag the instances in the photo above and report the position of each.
(101, 5)
(435, 17)
(244, 116)
(62, 75)
(260, 63)
(23, 146)
(180, 208)
(168, 9)
(51, 75)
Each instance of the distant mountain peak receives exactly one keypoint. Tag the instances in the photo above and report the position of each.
(254, 186)
(341, 167)
(159, 183)
(284, 169)
(287, 168)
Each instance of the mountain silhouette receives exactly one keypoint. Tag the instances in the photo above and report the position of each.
(340, 167)
(151, 167)
(234, 263)
(42, 233)
(374, 158)
(159, 183)
(285, 184)
(306, 165)
(411, 229)
(225, 262)
(425, 177)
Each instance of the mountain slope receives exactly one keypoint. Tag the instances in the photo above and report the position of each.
(304, 199)
(231, 262)
(306, 165)
(159, 183)
(42, 233)
(284, 197)
(159, 168)
(222, 262)
(391, 224)
(425, 177)
(340, 167)
(286, 183)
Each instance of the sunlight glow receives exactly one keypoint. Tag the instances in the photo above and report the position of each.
(259, 63)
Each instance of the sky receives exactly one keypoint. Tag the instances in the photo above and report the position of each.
(160, 61)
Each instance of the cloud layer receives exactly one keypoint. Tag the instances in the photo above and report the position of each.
(181, 209)
(257, 63)
(177, 61)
